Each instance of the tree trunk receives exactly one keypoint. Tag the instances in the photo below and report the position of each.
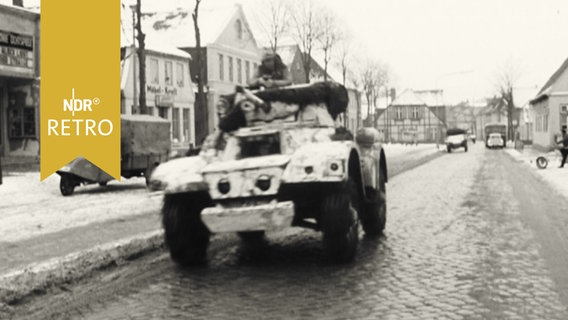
(141, 59)
(201, 111)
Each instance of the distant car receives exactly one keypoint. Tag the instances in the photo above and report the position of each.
(495, 140)
(456, 138)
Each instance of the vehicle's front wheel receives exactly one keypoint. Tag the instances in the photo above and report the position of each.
(339, 222)
(374, 216)
(67, 185)
(185, 234)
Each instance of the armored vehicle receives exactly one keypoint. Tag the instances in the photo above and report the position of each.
(277, 160)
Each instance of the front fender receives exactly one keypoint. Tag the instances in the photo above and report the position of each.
(179, 175)
(314, 162)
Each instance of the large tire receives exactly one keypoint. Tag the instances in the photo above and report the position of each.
(340, 225)
(374, 216)
(67, 184)
(186, 235)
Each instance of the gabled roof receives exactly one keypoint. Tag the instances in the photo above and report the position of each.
(176, 27)
(159, 46)
(287, 53)
(408, 98)
(427, 98)
(433, 97)
(554, 77)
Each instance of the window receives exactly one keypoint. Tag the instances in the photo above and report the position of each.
(231, 69)
(179, 75)
(169, 73)
(415, 112)
(186, 125)
(398, 113)
(221, 68)
(175, 124)
(247, 70)
(239, 29)
(153, 71)
(239, 71)
(564, 108)
(163, 112)
(22, 122)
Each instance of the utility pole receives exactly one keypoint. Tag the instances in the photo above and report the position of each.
(141, 58)
(134, 82)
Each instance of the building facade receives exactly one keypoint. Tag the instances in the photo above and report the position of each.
(414, 116)
(550, 109)
(169, 90)
(19, 84)
(229, 52)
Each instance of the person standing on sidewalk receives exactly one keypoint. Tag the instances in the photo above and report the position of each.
(564, 147)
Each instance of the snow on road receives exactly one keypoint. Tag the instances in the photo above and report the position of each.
(30, 208)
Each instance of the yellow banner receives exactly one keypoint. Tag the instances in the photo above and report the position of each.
(80, 84)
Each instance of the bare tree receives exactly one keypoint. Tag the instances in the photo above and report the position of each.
(506, 80)
(374, 77)
(273, 21)
(344, 55)
(330, 35)
(201, 103)
(141, 58)
(306, 29)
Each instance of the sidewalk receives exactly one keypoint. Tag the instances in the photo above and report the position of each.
(556, 177)
(46, 239)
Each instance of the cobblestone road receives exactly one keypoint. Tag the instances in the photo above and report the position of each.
(456, 247)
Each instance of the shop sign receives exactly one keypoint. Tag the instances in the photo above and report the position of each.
(157, 89)
(16, 50)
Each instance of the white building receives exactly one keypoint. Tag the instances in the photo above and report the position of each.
(229, 49)
(169, 90)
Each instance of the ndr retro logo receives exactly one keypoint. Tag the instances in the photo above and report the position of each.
(79, 127)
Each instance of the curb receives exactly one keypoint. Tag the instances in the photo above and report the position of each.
(17, 284)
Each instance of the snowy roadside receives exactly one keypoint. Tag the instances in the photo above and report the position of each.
(30, 208)
(553, 175)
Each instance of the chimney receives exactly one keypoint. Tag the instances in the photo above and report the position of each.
(18, 3)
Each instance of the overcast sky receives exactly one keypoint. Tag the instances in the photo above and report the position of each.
(456, 45)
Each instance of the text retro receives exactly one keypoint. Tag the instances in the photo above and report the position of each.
(79, 127)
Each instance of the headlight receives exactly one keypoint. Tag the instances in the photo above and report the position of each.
(335, 168)
(263, 182)
(224, 186)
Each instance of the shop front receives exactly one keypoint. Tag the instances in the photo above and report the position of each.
(19, 85)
